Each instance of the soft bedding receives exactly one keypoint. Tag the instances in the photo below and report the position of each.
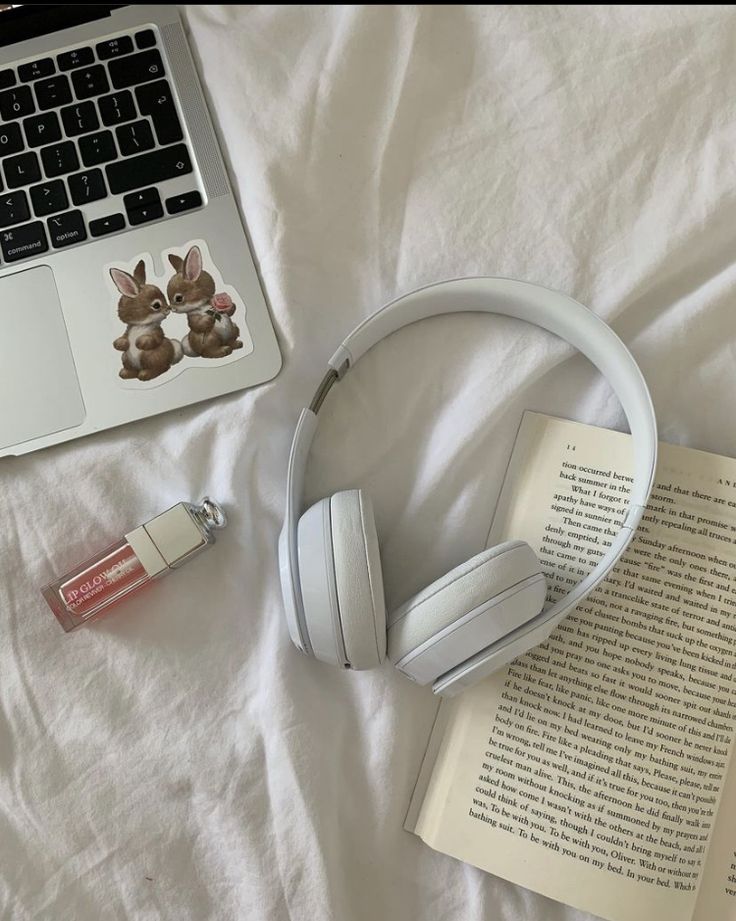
(180, 760)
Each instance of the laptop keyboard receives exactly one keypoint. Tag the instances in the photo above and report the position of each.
(96, 124)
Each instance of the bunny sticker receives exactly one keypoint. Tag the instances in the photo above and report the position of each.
(212, 334)
(147, 353)
(198, 322)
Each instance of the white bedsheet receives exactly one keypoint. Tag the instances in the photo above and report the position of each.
(181, 760)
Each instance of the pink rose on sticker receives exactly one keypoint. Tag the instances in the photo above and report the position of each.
(222, 303)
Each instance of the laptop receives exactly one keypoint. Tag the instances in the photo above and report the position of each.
(127, 287)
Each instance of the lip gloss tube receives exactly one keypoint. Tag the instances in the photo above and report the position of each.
(155, 548)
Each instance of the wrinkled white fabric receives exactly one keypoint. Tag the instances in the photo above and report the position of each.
(180, 760)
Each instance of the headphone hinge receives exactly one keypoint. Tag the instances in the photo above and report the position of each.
(324, 388)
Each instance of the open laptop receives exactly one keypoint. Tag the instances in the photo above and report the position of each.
(127, 287)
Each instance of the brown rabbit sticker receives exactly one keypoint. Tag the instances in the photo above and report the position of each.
(191, 291)
(194, 321)
(147, 352)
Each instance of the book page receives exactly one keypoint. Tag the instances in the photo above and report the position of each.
(717, 895)
(591, 768)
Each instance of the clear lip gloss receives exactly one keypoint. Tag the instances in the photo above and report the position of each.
(164, 543)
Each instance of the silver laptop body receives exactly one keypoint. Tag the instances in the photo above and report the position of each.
(114, 204)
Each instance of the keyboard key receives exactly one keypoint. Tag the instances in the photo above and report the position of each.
(49, 197)
(143, 206)
(44, 67)
(114, 47)
(16, 103)
(117, 108)
(7, 78)
(155, 99)
(135, 137)
(42, 129)
(141, 198)
(105, 225)
(145, 39)
(90, 81)
(66, 229)
(13, 208)
(132, 173)
(77, 58)
(54, 92)
(80, 119)
(59, 159)
(21, 170)
(97, 148)
(137, 68)
(24, 241)
(87, 187)
(184, 202)
(148, 213)
(11, 140)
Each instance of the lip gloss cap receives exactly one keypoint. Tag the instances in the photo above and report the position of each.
(172, 538)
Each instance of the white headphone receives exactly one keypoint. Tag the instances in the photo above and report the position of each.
(489, 610)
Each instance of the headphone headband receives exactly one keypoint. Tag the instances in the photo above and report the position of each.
(550, 310)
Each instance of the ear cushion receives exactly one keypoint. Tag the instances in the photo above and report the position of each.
(358, 578)
(461, 590)
(323, 630)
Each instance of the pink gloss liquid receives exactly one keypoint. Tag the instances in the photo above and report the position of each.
(95, 585)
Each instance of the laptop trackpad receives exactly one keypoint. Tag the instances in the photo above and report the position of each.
(39, 392)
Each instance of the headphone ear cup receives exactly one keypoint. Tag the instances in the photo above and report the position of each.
(341, 581)
(359, 578)
(467, 610)
(317, 585)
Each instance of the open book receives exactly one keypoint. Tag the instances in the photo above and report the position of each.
(596, 768)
